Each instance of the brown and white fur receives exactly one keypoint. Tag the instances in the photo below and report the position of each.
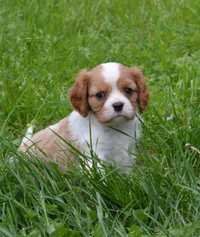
(105, 100)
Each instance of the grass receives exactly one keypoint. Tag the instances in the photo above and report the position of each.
(42, 46)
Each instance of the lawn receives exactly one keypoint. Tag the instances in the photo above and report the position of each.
(43, 44)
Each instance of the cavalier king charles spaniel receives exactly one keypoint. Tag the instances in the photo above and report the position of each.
(106, 101)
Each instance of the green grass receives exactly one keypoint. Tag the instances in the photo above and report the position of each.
(42, 46)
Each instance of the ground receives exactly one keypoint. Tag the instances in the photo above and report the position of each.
(42, 46)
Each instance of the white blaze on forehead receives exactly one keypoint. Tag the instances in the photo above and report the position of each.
(110, 72)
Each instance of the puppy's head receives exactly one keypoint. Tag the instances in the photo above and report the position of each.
(111, 91)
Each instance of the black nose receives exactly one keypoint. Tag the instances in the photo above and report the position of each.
(118, 106)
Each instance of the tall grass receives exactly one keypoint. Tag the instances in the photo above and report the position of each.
(42, 46)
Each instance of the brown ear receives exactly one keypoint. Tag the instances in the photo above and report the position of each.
(143, 93)
(79, 93)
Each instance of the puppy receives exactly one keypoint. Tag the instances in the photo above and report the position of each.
(105, 100)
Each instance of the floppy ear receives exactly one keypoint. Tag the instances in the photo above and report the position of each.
(79, 93)
(143, 93)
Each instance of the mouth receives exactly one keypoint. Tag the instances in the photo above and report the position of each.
(119, 115)
(119, 118)
(122, 115)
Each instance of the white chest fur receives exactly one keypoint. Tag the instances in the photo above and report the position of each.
(113, 144)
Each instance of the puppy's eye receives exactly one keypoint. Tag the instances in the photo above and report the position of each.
(129, 91)
(100, 95)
